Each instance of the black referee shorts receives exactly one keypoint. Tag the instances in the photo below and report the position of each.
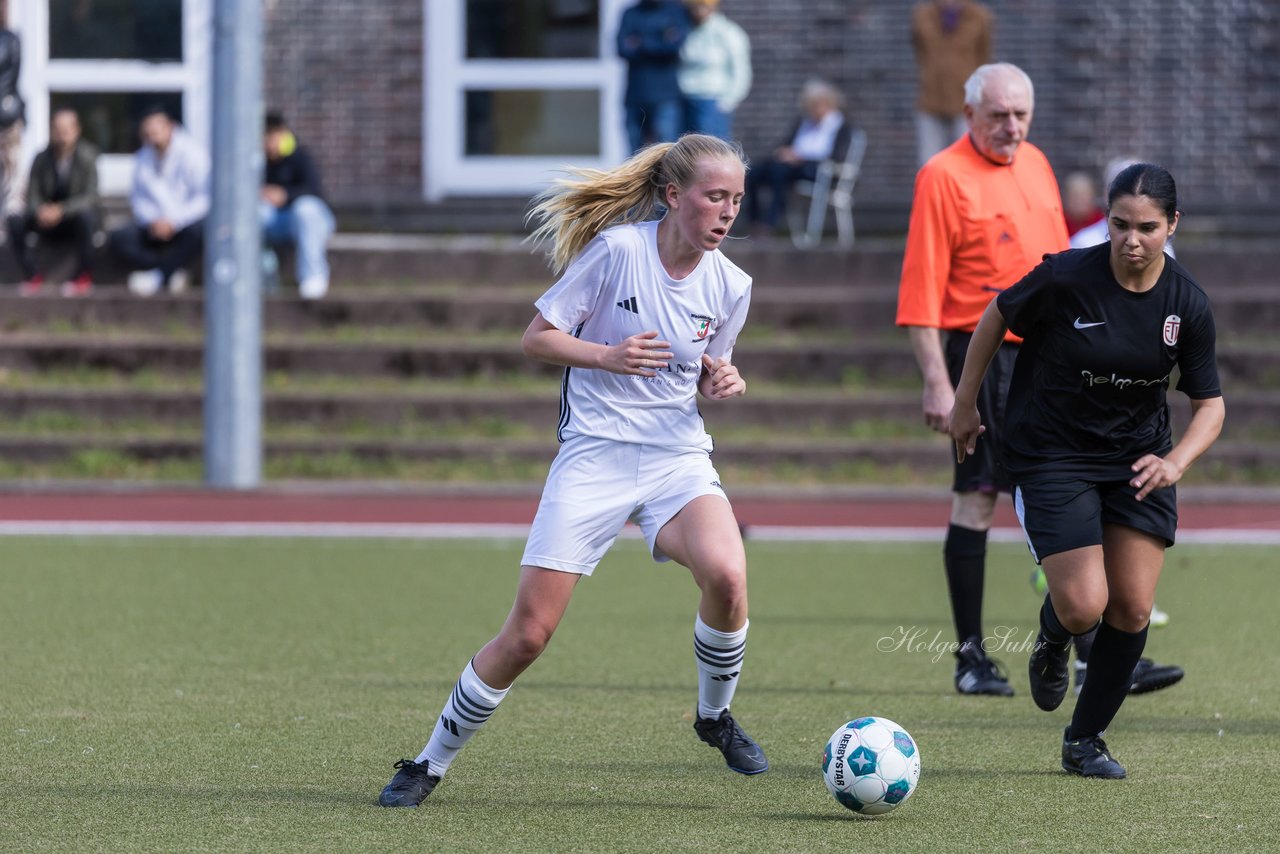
(981, 471)
(1060, 515)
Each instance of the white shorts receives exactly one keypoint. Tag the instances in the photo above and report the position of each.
(596, 485)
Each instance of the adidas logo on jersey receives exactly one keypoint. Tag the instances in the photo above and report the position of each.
(630, 305)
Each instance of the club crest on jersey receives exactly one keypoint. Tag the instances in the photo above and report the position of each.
(702, 325)
(1172, 324)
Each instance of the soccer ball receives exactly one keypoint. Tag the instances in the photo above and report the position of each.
(871, 765)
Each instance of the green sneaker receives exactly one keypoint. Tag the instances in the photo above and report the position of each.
(1040, 585)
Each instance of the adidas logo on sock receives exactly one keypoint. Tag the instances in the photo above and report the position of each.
(630, 305)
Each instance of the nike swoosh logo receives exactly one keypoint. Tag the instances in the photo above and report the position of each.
(1079, 325)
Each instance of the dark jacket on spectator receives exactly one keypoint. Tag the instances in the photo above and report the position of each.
(78, 193)
(649, 39)
(297, 173)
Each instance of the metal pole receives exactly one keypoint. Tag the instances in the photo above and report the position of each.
(233, 252)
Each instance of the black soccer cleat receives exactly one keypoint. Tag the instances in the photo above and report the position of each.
(410, 786)
(978, 674)
(1149, 676)
(1089, 757)
(741, 754)
(1047, 669)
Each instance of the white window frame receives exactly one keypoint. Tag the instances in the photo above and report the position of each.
(448, 171)
(42, 75)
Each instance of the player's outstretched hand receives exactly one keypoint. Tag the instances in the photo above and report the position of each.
(965, 428)
(721, 379)
(640, 355)
(1152, 472)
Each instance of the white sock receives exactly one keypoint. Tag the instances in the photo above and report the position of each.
(468, 707)
(719, 658)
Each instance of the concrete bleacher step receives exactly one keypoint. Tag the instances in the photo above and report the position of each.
(808, 459)
(1240, 363)
(834, 390)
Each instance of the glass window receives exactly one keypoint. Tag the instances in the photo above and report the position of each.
(532, 29)
(533, 123)
(116, 29)
(110, 119)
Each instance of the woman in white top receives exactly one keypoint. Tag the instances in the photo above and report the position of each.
(644, 316)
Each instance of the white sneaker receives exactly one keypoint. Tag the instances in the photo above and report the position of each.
(1158, 618)
(313, 287)
(145, 283)
(179, 281)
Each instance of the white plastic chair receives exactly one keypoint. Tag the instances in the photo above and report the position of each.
(832, 187)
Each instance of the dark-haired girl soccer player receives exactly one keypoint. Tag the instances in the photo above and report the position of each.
(644, 317)
(1088, 443)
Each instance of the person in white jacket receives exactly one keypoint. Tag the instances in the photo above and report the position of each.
(169, 200)
(715, 70)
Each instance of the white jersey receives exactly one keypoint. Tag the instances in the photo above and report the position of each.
(616, 288)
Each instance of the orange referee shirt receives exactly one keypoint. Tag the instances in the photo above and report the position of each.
(976, 228)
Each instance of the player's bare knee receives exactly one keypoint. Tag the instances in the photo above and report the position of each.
(1129, 618)
(726, 586)
(1078, 614)
(525, 643)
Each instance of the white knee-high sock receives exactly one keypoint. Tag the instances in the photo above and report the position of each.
(467, 709)
(719, 658)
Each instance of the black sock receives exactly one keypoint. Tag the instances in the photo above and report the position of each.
(1110, 675)
(1084, 645)
(965, 556)
(1050, 626)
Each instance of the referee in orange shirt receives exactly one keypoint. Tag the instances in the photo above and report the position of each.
(985, 211)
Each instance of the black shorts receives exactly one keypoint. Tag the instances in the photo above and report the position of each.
(982, 471)
(1060, 515)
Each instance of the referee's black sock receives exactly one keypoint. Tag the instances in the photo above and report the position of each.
(965, 556)
(1115, 654)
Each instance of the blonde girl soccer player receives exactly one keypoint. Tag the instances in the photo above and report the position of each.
(644, 316)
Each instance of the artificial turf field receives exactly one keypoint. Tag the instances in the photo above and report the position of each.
(252, 694)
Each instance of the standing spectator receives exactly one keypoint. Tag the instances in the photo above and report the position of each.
(951, 39)
(819, 133)
(715, 70)
(62, 201)
(170, 200)
(650, 37)
(12, 115)
(985, 211)
(293, 207)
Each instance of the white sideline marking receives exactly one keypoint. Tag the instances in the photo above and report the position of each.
(486, 530)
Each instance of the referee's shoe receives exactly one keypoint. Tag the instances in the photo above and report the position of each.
(978, 674)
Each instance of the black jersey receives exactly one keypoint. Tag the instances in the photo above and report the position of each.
(1087, 397)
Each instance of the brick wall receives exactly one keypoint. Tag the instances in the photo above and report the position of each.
(348, 77)
(1192, 85)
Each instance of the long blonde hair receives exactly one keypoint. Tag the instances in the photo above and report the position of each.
(575, 209)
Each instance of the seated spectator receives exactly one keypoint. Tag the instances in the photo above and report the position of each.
(1097, 232)
(820, 133)
(293, 207)
(62, 201)
(1080, 203)
(170, 200)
